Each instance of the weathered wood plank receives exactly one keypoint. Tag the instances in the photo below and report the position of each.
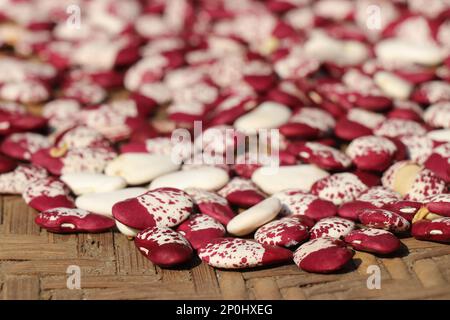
(413, 244)
(396, 268)
(205, 279)
(24, 247)
(2, 199)
(21, 288)
(174, 275)
(33, 265)
(158, 290)
(265, 288)
(128, 259)
(56, 266)
(293, 293)
(92, 282)
(232, 285)
(272, 271)
(18, 218)
(428, 273)
(63, 294)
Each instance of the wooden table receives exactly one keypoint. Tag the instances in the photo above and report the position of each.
(33, 265)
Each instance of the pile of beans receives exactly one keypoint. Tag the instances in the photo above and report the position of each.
(359, 92)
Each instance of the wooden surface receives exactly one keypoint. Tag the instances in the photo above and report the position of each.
(33, 265)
